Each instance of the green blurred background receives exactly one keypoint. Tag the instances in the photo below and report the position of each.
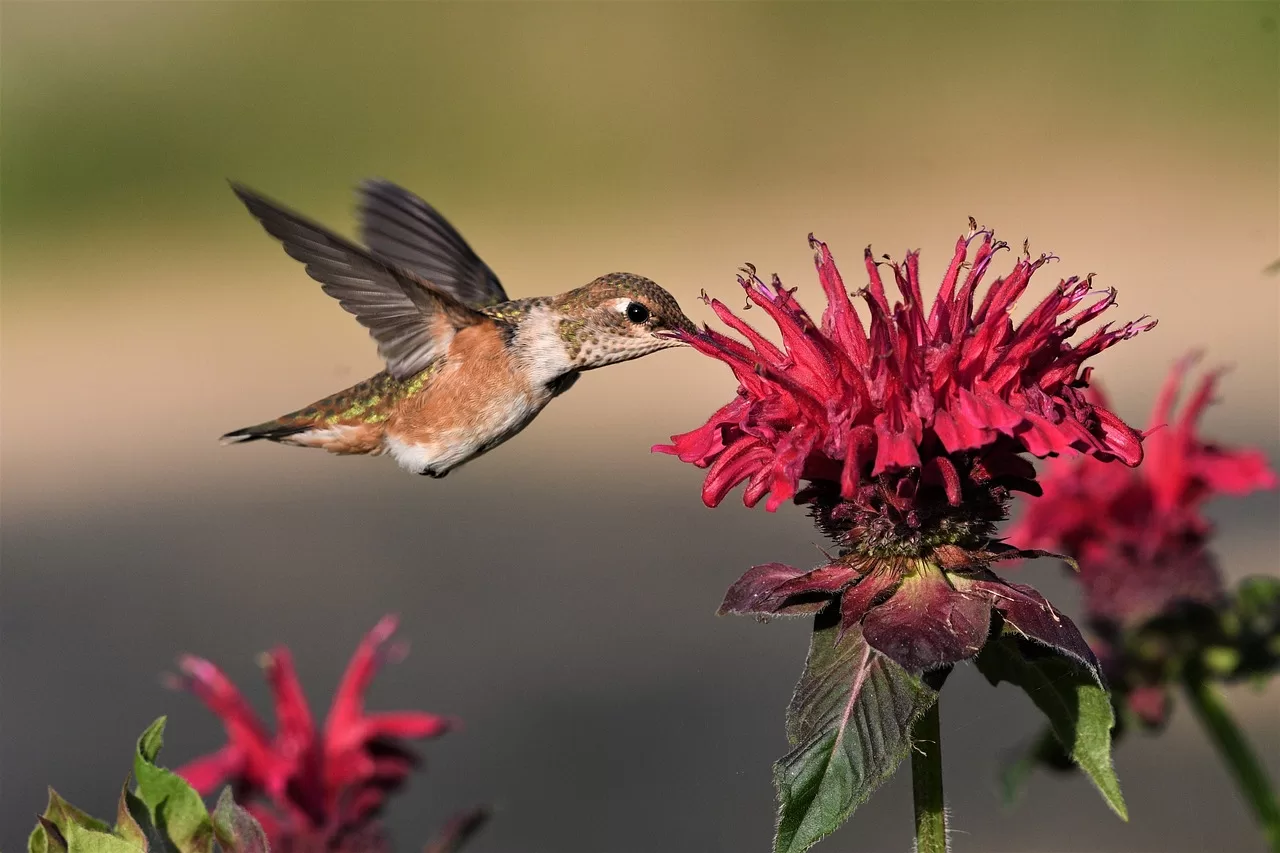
(144, 313)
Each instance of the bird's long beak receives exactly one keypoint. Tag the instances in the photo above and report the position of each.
(677, 337)
(682, 331)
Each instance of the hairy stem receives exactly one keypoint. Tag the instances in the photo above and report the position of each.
(1238, 755)
(926, 783)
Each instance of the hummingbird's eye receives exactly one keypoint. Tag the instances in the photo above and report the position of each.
(637, 313)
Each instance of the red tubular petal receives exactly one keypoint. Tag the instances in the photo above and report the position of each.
(898, 448)
(405, 725)
(859, 446)
(347, 765)
(1041, 437)
(364, 805)
(1120, 439)
(703, 444)
(1237, 472)
(763, 346)
(1199, 401)
(739, 461)
(781, 489)
(809, 365)
(940, 316)
(875, 287)
(962, 316)
(222, 697)
(907, 278)
(348, 701)
(943, 468)
(208, 772)
(1162, 415)
(1096, 309)
(758, 486)
(740, 358)
(961, 432)
(840, 320)
(996, 413)
(293, 716)
(1001, 296)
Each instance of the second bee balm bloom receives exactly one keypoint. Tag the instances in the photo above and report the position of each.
(906, 435)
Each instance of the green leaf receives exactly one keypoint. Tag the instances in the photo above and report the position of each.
(60, 815)
(152, 740)
(46, 837)
(63, 814)
(236, 829)
(127, 826)
(175, 808)
(38, 841)
(850, 722)
(81, 840)
(1070, 695)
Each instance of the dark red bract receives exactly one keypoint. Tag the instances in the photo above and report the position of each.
(312, 789)
(940, 393)
(1140, 536)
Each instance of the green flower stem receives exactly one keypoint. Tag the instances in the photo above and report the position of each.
(1237, 754)
(926, 783)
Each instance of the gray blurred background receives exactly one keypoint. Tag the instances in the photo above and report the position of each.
(559, 593)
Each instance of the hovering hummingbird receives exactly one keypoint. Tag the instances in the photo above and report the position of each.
(467, 368)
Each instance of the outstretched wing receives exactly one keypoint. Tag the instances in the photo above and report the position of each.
(412, 322)
(401, 228)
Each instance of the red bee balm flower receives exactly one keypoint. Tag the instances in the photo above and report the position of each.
(311, 789)
(910, 431)
(1154, 596)
(910, 435)
(840, 404)
(1139, 536)
(1141, 541)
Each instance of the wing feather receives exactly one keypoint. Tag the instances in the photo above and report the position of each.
(401, 228)
(411, 321)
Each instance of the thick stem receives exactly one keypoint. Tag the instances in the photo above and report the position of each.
(1238, 755)
(926, 783)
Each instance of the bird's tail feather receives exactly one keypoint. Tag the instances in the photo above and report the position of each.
(270, 430)
(348, 408)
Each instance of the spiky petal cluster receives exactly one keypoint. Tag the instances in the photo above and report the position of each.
(1140, 536)
(909, 431)
(313, 789)
(912, 399)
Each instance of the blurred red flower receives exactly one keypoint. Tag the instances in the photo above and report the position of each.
(1139, 536)
(312, 789)
(1153, 591)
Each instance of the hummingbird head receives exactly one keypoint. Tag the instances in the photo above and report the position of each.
(618, 317)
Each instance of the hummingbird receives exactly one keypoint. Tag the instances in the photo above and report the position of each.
(466, 367)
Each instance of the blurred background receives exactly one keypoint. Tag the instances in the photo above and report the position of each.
(559, 593)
